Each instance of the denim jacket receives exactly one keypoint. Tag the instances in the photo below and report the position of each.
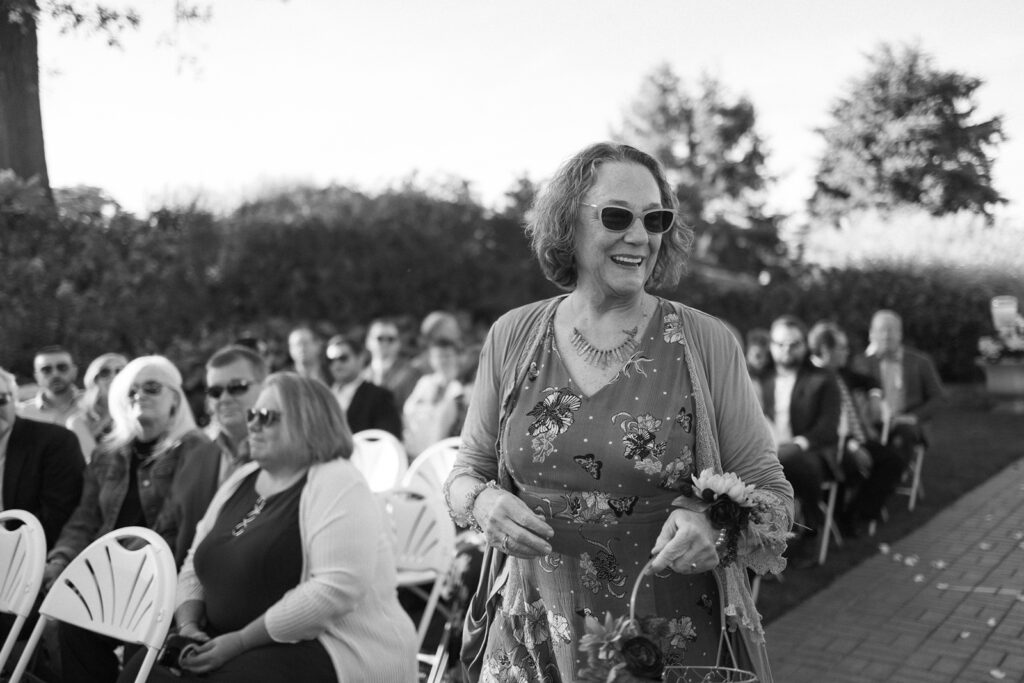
(106, 485)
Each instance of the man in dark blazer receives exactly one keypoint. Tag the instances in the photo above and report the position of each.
(803, 405)
(366, 405)
(41, 465)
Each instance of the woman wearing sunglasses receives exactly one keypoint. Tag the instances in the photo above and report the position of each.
(129, 483)
(94, 418)
(291, 576)
(603, 403)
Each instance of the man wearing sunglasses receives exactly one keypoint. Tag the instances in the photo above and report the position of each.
(387, 367)
(40, 465)
(234, 378)
(366, 405)
(58, 398)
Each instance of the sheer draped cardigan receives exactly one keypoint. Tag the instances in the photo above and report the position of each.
(732, 435)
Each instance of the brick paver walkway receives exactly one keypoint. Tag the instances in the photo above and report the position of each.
(946, 603)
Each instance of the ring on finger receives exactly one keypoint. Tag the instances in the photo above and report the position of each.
(504, 543)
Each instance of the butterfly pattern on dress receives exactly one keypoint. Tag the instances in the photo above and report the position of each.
(622, 505)
(589, 463)
(685, 419)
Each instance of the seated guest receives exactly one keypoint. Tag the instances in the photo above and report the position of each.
(432, 409)
(42, 465)
(871, 469)
(802, 404)
(366, 405)
(128, 483)
(306, 351)
(759, 357)
(292, 576)
(387, 367)
(94, 417)
(234, 378)
(911, 388)
(58, 400)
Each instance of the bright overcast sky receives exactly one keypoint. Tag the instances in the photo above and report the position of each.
(364, 93)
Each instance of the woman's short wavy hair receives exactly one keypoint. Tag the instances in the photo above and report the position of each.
(312, 418)
(555, 216)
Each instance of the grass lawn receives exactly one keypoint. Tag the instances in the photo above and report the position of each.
(971, 442)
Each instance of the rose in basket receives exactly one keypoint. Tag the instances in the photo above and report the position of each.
(627, 650)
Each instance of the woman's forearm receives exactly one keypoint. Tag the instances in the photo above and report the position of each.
(190, 612)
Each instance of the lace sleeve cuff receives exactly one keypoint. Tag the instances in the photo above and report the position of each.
(764, 540)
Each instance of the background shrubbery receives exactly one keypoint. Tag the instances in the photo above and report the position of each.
(185, 281)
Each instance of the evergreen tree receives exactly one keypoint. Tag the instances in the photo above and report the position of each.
(907, 133)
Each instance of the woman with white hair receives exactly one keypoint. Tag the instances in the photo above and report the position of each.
(127, 483)
(94, 417)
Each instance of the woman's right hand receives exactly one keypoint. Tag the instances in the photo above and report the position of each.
(511, 526)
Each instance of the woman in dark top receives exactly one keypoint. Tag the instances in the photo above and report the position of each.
(129, 482)
(292, 576)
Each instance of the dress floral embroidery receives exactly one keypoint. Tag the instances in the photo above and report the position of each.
(602, 470)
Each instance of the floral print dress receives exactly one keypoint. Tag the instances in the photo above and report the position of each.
(603, 471)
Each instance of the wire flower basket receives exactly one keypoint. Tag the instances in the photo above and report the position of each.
(700, 674)
(706, 674)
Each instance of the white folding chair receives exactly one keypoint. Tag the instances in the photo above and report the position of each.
(424, 550)
(428, 471)
(22, 561)
(831, 529)
(381, 458)
(117, 592)
(915, 489)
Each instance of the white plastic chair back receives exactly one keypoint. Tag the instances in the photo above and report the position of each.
(381, 458)
(425, 544)
(22, 561)
(428, 471)
(117, 592)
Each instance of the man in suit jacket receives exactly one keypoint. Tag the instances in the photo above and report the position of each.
(41, 465)
(911, 388)
(802, 403)
(366, 405)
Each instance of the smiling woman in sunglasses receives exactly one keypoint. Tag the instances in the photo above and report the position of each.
(603, 403)
(129, 483)
(291, 576)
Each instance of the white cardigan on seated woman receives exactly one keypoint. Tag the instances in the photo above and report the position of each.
(347, 598)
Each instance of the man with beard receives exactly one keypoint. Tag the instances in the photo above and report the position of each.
(58, 400)
(802, 403)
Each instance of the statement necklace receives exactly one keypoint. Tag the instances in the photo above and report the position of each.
(602, 358)
(250, 516)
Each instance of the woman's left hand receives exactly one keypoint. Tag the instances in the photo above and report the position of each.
(212, 654)
(686, 544)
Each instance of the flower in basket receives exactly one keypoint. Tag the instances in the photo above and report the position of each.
(628, 650)
(1007, 343)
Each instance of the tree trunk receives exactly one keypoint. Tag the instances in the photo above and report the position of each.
(21, 123)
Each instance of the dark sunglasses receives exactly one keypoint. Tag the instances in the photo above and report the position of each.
(108, 372)
(5, 399)
(619, 218)
(341, 358)
(264, 417)
(235, 387)
(387, 339)
(150, 388)
(50, 369)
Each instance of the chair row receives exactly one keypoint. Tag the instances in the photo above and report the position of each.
(121, 586)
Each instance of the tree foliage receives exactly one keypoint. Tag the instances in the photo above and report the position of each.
(905, 133)
(714, 157)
